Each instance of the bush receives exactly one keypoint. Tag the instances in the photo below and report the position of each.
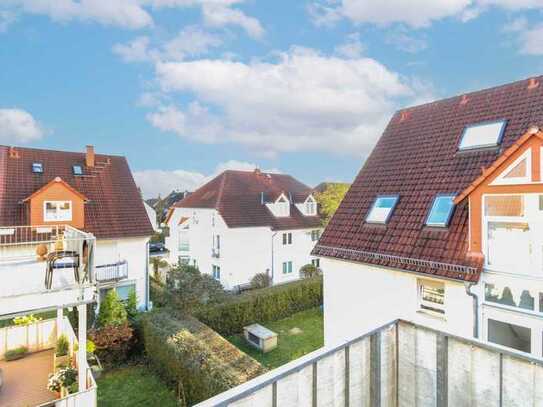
(132, 305)
(112, 310)
(63, 346)
(309, 271)
(113, 342)
(15, 354)
(189, 289)
(260, 280)
(268, 304)
(191, 355)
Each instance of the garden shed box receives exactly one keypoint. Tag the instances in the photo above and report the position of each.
(260, 337)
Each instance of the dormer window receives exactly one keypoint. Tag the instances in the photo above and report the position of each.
(382, 209)
(441, 211)
(57, 211)
(481, 135)
(310, 206)
(37, 168)
(283, 207)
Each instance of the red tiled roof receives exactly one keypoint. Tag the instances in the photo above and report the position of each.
(114, 208)
(237, 195)
(417, 157)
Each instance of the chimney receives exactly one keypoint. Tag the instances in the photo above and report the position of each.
(89, 157)
(533, 83)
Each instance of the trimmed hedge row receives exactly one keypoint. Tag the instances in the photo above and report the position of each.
(263, 305)
(192, 355)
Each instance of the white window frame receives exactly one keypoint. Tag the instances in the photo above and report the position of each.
(501, 180)
(389, 214)
(287, 238)
(499, 136)
(57, 218)
(216, 272)
(429, 306)
(449, 215)
(310, 206)
(288, 267)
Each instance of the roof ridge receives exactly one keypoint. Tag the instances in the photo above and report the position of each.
(467, 93)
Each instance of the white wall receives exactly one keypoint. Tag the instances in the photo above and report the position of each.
(360, 297)
(151, 213)
(244, 251)
(134, 251)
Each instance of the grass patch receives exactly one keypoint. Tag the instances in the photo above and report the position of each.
(290, 346)
(133, 386)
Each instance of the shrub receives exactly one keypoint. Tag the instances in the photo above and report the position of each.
(112, 310)
(17, 353)
(90, 348)
(63, 346)
(65, 377)
(26, 320)
(191, 355)
(132, 305)
(268, 304)
(113, 342)
(191, 289)
(309, 271)
(260, 280)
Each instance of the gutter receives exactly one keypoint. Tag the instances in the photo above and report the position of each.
(147, 308)
(475, 308)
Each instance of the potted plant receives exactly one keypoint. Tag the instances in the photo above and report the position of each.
(62, 349)
(63, 382)
(15, 354)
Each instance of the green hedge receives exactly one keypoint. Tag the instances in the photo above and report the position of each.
(263, 305)
(189, 353)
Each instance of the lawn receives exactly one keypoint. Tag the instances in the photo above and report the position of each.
(292, 343)
(133, 386)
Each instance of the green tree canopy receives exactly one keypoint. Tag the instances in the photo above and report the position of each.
(330, 199)
(112, 310)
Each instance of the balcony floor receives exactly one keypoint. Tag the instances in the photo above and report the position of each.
(25, 380)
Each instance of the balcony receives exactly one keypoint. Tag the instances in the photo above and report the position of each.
(399, 364)
(112, 272)
(45, 267)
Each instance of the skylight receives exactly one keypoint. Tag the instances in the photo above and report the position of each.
(441, 211)
(487, 134)
(77, 169)
(37, 168)
(382, 209)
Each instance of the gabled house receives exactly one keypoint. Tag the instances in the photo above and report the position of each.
(41, 190)
(443, 225)
(245, 222)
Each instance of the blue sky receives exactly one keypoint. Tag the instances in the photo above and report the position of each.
(187, 88)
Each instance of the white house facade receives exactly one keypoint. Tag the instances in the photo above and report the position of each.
(253, 223)
(444, 224)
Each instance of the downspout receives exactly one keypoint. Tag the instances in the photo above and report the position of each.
(272, 256)
(147, 276)
(475, 308)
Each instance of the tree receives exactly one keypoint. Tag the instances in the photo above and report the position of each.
(191, 289)
(112, 310)
(330, 199)
(132, 305)
(157, 264)
(309, 270)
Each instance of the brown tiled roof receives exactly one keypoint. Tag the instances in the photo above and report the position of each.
(238, 196)
(417, 158)
(114, 208)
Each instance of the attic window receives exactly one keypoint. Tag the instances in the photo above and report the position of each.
(382, 209)
(37, 168)
(441, 211)
(77, 169)
(487, 134)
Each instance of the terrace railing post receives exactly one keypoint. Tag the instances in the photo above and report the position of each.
(375, 370)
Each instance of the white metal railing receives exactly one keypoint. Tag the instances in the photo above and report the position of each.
(216, 253)
(35, 337)
(111, 272)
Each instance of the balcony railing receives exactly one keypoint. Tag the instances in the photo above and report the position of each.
(399, 364)
(216, 253)
(41, 266)
(112, 272)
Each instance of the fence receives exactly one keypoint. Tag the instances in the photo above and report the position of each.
(38, 336)
(400, 364)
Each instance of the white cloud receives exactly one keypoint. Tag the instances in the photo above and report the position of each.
(18, 126)
(155, 182)
(304, 101)
(191, 41)
(6, 19)
(134, 14)
(415, 13)
(352, 47)
(406, 42)
(531, 40)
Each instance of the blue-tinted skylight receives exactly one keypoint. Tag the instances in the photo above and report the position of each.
(487, 134)
(441, 211)
(382, 209)
(77, 169)
(37, 168)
